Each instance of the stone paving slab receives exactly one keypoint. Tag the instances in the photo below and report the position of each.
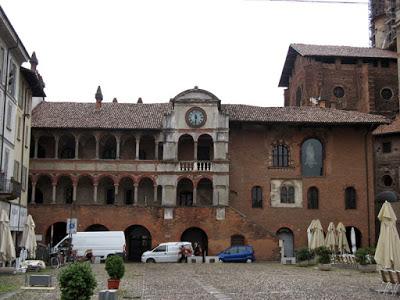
(225, 281)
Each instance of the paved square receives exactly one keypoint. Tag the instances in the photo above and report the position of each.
(229, 281)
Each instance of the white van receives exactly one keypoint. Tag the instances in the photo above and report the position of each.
(102, 243)
(166, 252)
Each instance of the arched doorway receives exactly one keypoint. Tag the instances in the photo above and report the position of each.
(358, 236)
(97, 227)
(205, 150)
(204, 192)
(138, 240)
(56, 233)
(184, 192)
(196, 235)
(286, 235)
(186, 147)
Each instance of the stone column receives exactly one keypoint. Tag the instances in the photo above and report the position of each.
(76, 147)
(155, 194)
(56, 139)
(95, 185)
(36, 146)
(33, 196)
(137, 138)
(118, 143)
(195, 151)
(74, 188)
(54, 185)
(135, 195)
(194, 196)
(116, 185)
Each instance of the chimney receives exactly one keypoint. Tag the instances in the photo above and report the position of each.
(140, 100)
(115, 100)
(33, 61)
(99, 97)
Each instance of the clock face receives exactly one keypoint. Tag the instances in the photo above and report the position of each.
(196, 117)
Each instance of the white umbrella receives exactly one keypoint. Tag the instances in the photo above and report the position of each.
(7, 249)
(353, 240)
(330, 240)
(309, 233)
(343, 244)
(317, 238)
(29, 238)
(387, 253)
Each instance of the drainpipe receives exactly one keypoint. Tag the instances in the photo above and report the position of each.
(5, 102)
(367, 182)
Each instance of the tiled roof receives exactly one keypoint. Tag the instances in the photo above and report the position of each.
(393, 127)
(336, 51)
(342, 51)
(149, 116)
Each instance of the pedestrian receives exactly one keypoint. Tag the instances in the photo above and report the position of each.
(197, 249)
(182, 252)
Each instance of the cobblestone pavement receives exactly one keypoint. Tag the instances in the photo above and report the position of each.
(227, 281)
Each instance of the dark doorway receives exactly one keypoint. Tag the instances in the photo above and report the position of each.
(97, 227)
(56, 233)
(357, 234)
(138, 240)
(196, 235)
(237, 240)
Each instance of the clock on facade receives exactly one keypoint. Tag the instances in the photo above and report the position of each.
(196, 117)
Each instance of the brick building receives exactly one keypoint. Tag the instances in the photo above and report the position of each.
(199, 170)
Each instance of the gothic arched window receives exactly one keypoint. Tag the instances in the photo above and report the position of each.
(280, 156)
(287, 194)
(312, 198)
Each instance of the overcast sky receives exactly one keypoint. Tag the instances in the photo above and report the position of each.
(156, 49)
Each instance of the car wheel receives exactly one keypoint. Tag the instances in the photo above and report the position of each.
(249, 260)
(150, 261)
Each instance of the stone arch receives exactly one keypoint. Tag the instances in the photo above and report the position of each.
(204, 192)
(66, 146)
(56, 232)
(126, 190)
(286, 234)
(84, 189)
(196, 235)
(108, 146)
(64, 190)
(97, 227)
(146, 191)
(87, 146)
(138, 240)
(106, 190)
(184, 192)
(44, 189)
(46, 146)
(186, 147)
(205, 147)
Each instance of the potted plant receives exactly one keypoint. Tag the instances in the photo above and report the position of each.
(77, 282)
(324, 259)
(365, 258)
(303, 256)
(115, 269)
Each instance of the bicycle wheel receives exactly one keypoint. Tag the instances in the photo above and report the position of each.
(54, 263)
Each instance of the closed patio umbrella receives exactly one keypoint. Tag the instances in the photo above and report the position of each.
(29, 238)
(353, 240)
(309, 233)
(342, 243)
(330, 240)
(317, 238)
(387, 253)
(7, 249)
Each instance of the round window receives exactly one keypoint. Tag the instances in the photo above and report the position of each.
(338, 92)
(386, 94)
(387, 180)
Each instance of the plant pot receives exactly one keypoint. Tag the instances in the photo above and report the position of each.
(113, 284)
(303, 263)
(324, 267)
(367, 268)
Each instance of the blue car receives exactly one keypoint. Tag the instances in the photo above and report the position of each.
(237, 254)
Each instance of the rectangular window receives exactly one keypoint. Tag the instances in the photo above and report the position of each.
(9, 115)
(386, 147)
(6, 159)
(19, 128)
(16, 170)
(24, 177)
(21, 94)
(12, 78)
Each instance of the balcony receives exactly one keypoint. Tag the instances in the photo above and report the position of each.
(9, 188)
(196, 166)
